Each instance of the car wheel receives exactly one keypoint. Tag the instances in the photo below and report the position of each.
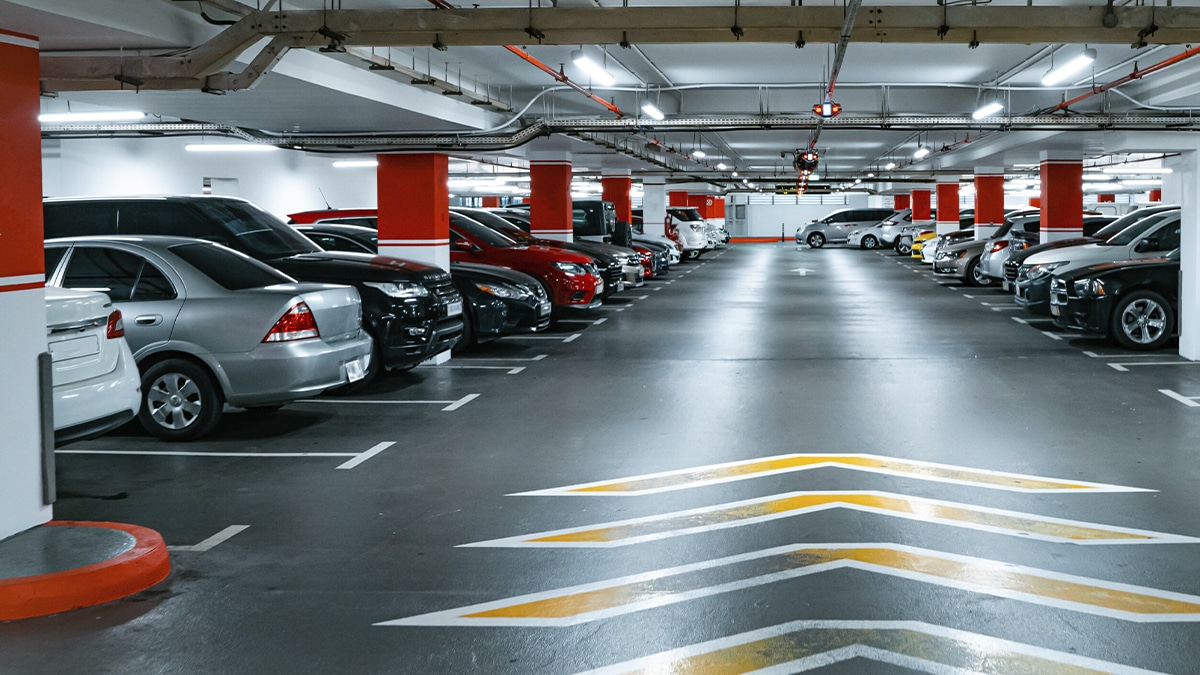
(870, 243)
(180, 401)
(816, 240)
(467, 341)
(976, 277)
(1142, 320)
(904, 246)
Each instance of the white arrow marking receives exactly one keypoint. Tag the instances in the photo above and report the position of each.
(803, 271)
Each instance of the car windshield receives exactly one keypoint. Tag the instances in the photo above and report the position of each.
(1127, 235)
(687, 215)
(255, 231)
(498, 224)
(480, 232)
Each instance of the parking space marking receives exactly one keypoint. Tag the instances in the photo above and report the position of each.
(569, 338)
(1019, 320)
(969, 296)
(762, 509)
(1094, 355)
(642, 297)
(539, 357)
(187, 453)
(656, 288)
(208, 544)
(1124, 367)
(1052, 335)
(368, 454)
(682, 479)
(573, 605)
(805, 645)
(450, 366)
(1003, 308)
(1189, 401)
(453, 405)
(460, 402)
(599, 321)
(611, 308)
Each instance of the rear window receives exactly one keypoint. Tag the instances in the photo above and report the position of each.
(229, 269)
(76, 219)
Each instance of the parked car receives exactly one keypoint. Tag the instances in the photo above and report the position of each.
(96, 382)
(497, 301)
(1018, 254)
(412, 310)
(692, 229)
(1149, 237)
(672, 247)
(361, 217)
(917, 246)
(1135, 302)
(836, 227)
(210, 326)
(571, 279)
(991, 264)
(964, 260)
(931, 247)
(876, 236)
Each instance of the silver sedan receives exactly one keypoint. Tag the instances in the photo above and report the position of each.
(209, 326)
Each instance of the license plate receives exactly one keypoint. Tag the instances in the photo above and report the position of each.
(620, 285)
(543, 308)
(600, 287)
(354, 369)
(1005, 286)
(1055, 310)
(454, 308)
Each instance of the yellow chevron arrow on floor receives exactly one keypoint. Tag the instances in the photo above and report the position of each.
(801, 646)
(625, 595)
(750, 511)
(766, 466)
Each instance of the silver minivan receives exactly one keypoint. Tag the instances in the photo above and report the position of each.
(836, 227)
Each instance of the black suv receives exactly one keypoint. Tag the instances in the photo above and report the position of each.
(412, 310)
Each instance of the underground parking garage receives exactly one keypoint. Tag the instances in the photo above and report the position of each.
(655, 428)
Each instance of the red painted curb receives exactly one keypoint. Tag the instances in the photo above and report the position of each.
(137, 569)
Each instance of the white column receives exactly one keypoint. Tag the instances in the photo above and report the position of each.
(654, 206)
(1183, 187)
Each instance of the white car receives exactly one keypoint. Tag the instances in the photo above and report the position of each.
(96, 382)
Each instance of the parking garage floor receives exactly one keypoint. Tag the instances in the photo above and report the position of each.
(776, 460)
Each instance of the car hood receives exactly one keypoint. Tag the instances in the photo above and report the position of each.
(477, 272)
(972, 245)
(1020, 256)
(1101, 269)
(1079, 253)
(337, 267)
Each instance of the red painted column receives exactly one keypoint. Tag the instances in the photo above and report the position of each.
(22, 300)
(550, 199)
(491, 202)
(900, 202)
(1110, 199)
(1156, 195)
(921, 212)
(947, 210)
(989, 201)
(615, 189)
(677, 198)
(414, 208)
(1062, 196)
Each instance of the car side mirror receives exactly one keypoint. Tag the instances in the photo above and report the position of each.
(463, 245)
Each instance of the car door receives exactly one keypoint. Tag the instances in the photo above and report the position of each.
(149, 300)
(834, 226)
(1159, 241)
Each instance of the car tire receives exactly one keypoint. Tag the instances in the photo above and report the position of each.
(180, 400)
(1142, 320)
(903, 246)
(870, 243)
(816, 240)
(976, 277)
(467, 341)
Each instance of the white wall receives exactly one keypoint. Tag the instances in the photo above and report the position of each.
(765, 220)
(281, 182)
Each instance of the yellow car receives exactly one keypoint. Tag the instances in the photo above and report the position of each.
(919, 240)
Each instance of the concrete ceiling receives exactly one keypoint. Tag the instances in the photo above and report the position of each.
(311, 92)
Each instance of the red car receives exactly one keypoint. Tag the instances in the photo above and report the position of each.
(363, 217)
(571, 279)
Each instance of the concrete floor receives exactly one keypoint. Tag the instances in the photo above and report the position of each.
(1084, 561)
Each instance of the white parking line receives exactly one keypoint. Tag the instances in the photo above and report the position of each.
(1094, 355)
(453, 405)
(560, 338)
(539, 357)
(359, 459)
(968, 295)
(1002, 308)
(642, 297)
(186, 453)
(573, 337)
(1019, 320)
(597, 322)
(1052, 336)
(657, 288)
(1189, 401)
(460, 402)
(511, 370)
(1122, 367)
(208, 544)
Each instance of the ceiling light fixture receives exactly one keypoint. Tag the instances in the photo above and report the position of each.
(229, 147)
(356, 163)
(734, 174)
(594, 70)
(1134, 170)
(96, 116)
(922, 152)
(652, 111)
(698, 154)
(721, 166)
(987, 110)
(889, 166)
(1061, 73)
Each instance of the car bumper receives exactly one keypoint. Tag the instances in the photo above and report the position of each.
(1089, 317)
(275, 373)
(1034, 296)
(509, 316)
(953, 267)
(92, 407)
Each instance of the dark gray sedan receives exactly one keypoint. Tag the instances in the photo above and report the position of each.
(209, 326)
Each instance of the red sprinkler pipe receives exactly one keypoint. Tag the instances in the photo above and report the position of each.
(1135, 75)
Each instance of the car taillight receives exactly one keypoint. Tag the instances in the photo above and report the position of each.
(116, 326)
(297, 323)
(997, 245)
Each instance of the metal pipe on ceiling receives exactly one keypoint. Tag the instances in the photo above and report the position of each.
(1135, 75)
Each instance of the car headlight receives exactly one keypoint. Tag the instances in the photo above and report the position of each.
(571, 268)
(502, 290)
(1089, 288)
(1043, 269)
(399, 289)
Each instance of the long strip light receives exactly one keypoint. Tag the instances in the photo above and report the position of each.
(987, 110)
(356, 163)
(698, 154)
(652, 111)
(922, 152)
(229, 147)
(594, 70)
(1066, 70)
(96, 116)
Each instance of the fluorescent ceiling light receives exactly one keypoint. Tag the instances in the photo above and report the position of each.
(721, 166)
(1132, 170)
(1142, 181)
(1095, 177)
(652, 110)
(987, 110)
(229, 147)
(594, 70)
(97, 116)
(889, 166)
(1061, 73)
(356, 163)
(921, 153)
(698, 154)
(734, 174)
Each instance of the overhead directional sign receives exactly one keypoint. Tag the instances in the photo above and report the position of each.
(801, 646)
(626, 595)
(750, 511)
(683, 479)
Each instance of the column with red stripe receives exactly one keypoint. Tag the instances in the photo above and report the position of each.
(414, 208)
(989, 201)
(550, 199)
(947, 204)
(1062, 196)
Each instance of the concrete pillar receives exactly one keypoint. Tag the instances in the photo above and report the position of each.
(22, 298)
(654, 206)
(491, 202)
(550, 199)
(677, 198)
(1156, 195)
(615, 188)
(1182, 187)
(921, 212)
(947, 205)
(414, 208)
(900, 202)
(989, 201)
(1062, 196)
